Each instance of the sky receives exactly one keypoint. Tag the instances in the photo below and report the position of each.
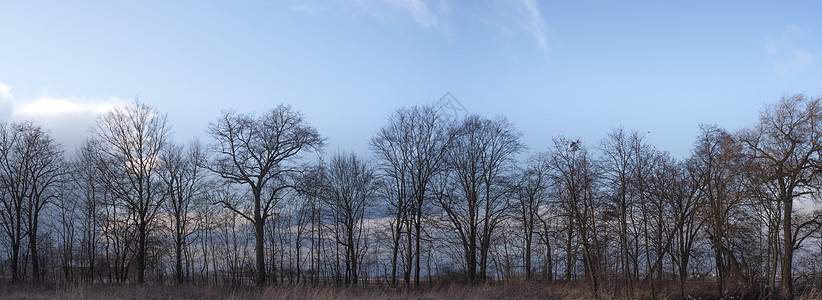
(572, 68)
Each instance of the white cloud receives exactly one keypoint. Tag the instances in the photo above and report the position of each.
(5, 101)
(533, 22)
(790, 58)
(68, 119)
(53, 106)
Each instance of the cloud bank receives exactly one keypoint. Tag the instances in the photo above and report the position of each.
(68, 119)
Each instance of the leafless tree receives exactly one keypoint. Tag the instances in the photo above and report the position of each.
(411, 148)
(573, 178)
(45, 168)
(131, 139)
(184, 184)
(717, 159)
(685, 203)
(479, 160)
(531, 197)
(616, 163)
(86, 172)
(31, 163)
(786, 143)
(260, 152)
(351, 186)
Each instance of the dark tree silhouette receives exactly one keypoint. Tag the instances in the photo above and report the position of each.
(260, 151)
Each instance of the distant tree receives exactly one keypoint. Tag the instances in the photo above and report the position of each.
(260, 152)
(351, 186)
(85, 171)
(184, 183)
(531, 200)
(131, 140)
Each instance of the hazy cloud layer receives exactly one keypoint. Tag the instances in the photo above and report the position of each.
(68, 119)
(790, 58)
(436, 14)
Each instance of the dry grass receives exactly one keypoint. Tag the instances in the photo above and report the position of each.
(519, 290)
(308, 292)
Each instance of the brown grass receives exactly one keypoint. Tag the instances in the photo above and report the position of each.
(571, 290)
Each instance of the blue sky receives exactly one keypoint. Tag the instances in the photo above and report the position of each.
(575, 68)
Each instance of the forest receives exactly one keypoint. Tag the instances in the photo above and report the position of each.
(439, 201)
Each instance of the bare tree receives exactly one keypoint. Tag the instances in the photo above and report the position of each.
(716, 160)
(685, 203)
(260, 152)
(132, 138)
(617, 172)
(392, 147)
(573, 177)
(85, 170)
(15, 187)
(531, 196)
(351, 186)
(479, 161)
(184, 183)
(411, 148)
(44, 167)
(30, 166)
(786, 143)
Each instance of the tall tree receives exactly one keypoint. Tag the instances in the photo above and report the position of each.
(717, 160)
(531, 196)
(573, 178)
(480, 160)
(44, 168)
(786, 144)
(392, 148)
(616, 163)
(351, 186)
(85, 170)
(261, 152)
(184, 184)
(30, 166)
(685, 203)
(131, 139)
(413, 144)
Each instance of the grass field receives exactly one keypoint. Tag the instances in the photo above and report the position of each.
(520, 290)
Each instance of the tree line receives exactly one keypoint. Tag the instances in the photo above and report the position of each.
(438, 199)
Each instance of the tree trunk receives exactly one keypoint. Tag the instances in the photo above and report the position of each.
(178, 251)
(259, 224)
(35, 261)
(141, 253)
(787, 258)
(528, 255)
(418, 228)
